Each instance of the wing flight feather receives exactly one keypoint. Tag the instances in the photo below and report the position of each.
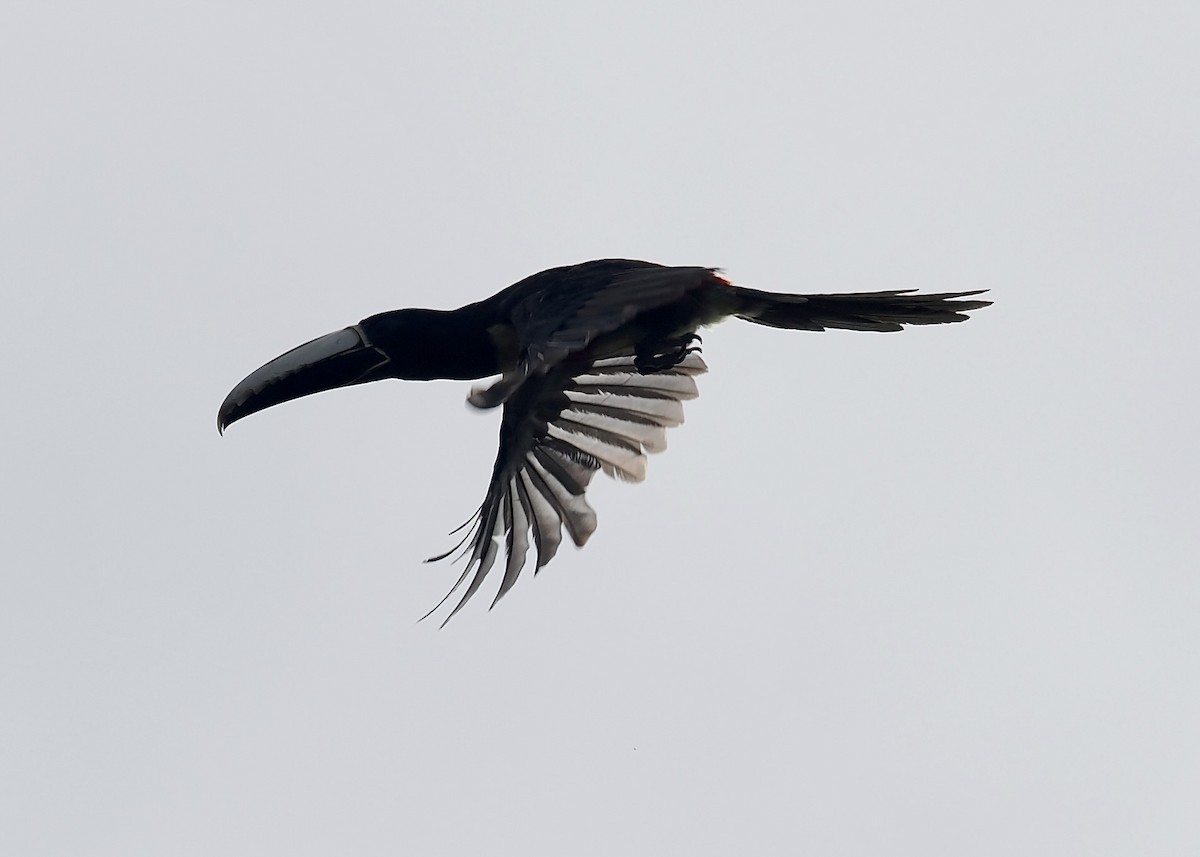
(555, 436)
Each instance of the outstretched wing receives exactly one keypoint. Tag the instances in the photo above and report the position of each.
(557, 431)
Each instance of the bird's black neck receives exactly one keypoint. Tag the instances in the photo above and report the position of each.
(427, 344)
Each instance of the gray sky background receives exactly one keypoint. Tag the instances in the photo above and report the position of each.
(924, 593)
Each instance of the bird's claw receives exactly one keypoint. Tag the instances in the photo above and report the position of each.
(666, 354)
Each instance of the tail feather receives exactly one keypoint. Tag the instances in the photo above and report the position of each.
(878, 311)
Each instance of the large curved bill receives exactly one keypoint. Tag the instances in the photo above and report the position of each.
(334, 360)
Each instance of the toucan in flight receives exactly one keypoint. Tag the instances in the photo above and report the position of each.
(594, 362)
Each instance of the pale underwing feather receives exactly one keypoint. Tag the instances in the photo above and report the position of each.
(517, 525)
(608, 417)
(547, 527)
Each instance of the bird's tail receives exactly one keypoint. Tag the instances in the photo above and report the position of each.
(883, 311)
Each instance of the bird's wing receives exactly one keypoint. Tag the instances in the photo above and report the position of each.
(557, 431)
(558, 322)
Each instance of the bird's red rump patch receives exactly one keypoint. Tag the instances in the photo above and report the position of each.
(721, 280)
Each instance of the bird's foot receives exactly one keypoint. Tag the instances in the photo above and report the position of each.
(665, 354)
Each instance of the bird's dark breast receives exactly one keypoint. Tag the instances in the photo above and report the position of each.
(506, 346)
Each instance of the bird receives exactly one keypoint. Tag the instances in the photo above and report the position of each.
(592, 364)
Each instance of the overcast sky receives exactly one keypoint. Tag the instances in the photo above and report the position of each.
(928, 593)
